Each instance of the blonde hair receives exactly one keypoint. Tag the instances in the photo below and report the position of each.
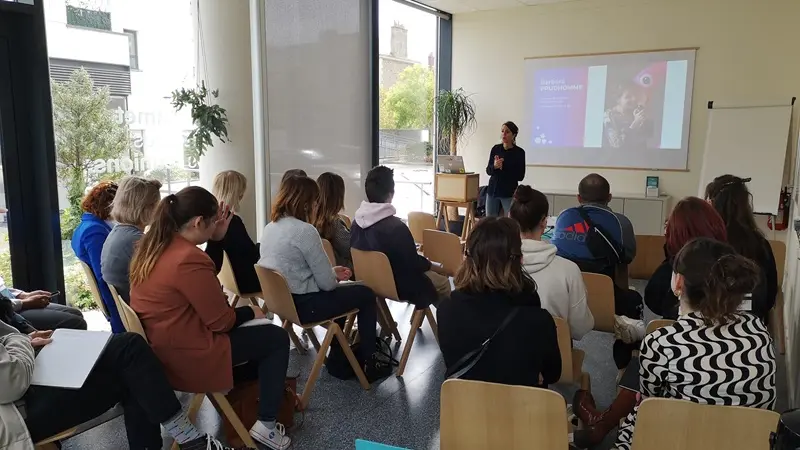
(136, 200)
(229, 187)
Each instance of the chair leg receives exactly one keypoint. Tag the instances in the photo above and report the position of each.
(226, 410)
(194, 406)
(350, 356)
(48, 446)
(348, 326)
(313, 338)
(296, 340)
(432, 323)
(418, 316)
(312, 377)
(235, 300)
(389, 319)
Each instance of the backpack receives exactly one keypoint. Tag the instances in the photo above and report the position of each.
(603, 248)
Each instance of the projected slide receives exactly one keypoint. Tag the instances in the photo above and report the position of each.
(617, 110)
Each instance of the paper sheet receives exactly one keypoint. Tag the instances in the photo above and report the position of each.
(69, 359)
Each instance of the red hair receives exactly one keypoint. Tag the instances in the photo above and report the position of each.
(692, 218)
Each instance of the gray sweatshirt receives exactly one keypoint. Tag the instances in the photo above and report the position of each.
(115, 259)
(16, 372)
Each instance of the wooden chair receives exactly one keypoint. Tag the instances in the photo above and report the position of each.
(132, 324)
(655, 324)
(649, 255)
(228, 281)
(374, 270)
(776, 324)
(346, 219)
(444, 248)
(279, 300)
(571, 358)
(51, 443)
(326, 244)
(667, 424)
(95, 289)
(600, 297)
(476, 415)
(419, 222)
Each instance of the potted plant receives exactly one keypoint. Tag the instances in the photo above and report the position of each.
(209, 119)
(455, 116)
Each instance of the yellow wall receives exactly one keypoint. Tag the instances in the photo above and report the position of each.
(749, 53)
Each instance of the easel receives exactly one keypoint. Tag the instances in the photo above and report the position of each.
(457, 190)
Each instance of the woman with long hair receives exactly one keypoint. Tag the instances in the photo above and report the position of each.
(194, 332)
(732, 199)
(132, 208)
(229, 188)
(89, 237)
(492, 289)
(559, 281)
(326, 217)
(702, 356)
(292, 246)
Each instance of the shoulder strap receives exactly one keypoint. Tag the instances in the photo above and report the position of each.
(468, 361)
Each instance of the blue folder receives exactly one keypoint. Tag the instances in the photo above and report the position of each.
(367, 445)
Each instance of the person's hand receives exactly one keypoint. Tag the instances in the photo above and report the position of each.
(342, 273)
(638, 118)
(23, 295)
(38, 301)
(258, 313)
(221, 222)
(498, 163)
(41, 338)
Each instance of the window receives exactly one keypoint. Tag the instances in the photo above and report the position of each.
(116, 103)
(133, 49)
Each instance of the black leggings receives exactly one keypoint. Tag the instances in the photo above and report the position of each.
(127, 372)
(627, 302)
(266, 350)
(323, 305)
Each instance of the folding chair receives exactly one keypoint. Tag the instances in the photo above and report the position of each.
(571, 358)
(95, 289)
(228, 281)
(444, 248)
(419, 222)
(600, 297)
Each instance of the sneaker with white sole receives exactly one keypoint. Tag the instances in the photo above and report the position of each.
(207, 443)
(629, 330)
(274, 438)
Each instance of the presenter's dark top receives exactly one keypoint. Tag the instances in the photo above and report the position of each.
(503, 182)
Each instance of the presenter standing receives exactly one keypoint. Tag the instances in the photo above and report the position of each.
(506, 169)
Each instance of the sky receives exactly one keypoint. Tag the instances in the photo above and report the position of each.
(421, 28)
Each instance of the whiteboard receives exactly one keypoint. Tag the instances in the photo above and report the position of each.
(749, 143)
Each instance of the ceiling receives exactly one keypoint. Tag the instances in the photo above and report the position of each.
(463, 6)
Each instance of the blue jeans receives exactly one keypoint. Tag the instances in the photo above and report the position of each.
(493, 205)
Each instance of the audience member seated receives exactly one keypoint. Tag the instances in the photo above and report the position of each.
(601, 241)
(496, 300)
(192, 329)
(558, 280)
(127, 372)
(327, 220)
(292, 173)
(731, 198)
(376, 228)
(690, 218)
(132, 208)
(229, 188)
(35, 309)
(89, 237)
(714, 354)
(291, 246)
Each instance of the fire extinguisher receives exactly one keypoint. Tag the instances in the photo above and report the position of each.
(782, 218)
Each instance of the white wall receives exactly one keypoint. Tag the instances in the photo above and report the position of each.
(748, 54)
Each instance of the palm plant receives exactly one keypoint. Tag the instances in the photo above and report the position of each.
(455, 116)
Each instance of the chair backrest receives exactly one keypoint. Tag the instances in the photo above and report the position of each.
(277, 296)
(328, 247)
(663, 424)
(655, 324)
(130, 320)
(374, 270)
(779, 252)
(444, 248)
(95, 289)
(419, 222)
(226, 276)
(600, 297)
(649, 255)
(476, 416)
(346, 220)
(565, 348)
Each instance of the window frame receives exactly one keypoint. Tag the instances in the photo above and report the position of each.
(133, 48)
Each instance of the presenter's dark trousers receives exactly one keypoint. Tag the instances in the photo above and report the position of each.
(493, 205)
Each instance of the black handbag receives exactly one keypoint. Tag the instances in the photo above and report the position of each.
(339, 366)
(468, 361)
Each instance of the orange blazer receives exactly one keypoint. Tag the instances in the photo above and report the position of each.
(186, 317)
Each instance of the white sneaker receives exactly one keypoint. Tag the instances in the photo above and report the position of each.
(629, 330)
(274, 438)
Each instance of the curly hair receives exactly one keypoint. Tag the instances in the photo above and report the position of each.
(98, 201)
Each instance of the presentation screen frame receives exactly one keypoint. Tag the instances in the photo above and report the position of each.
(600, 156)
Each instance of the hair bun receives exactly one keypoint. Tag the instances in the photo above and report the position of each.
(523, 194)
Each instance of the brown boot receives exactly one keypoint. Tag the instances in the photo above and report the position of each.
(584, 407)
(597, 429)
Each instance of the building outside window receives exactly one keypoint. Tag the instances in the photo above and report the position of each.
(133, 49)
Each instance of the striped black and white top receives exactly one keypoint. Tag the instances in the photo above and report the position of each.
(732, 364)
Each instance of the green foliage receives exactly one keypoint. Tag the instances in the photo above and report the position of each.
(208, 119)
(5, 263)
(85, 131)
(78, 293)
(83, 17)
(455, 114)
(408, 104)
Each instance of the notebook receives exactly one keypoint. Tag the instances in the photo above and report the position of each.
(255, 322)
(69, 359)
